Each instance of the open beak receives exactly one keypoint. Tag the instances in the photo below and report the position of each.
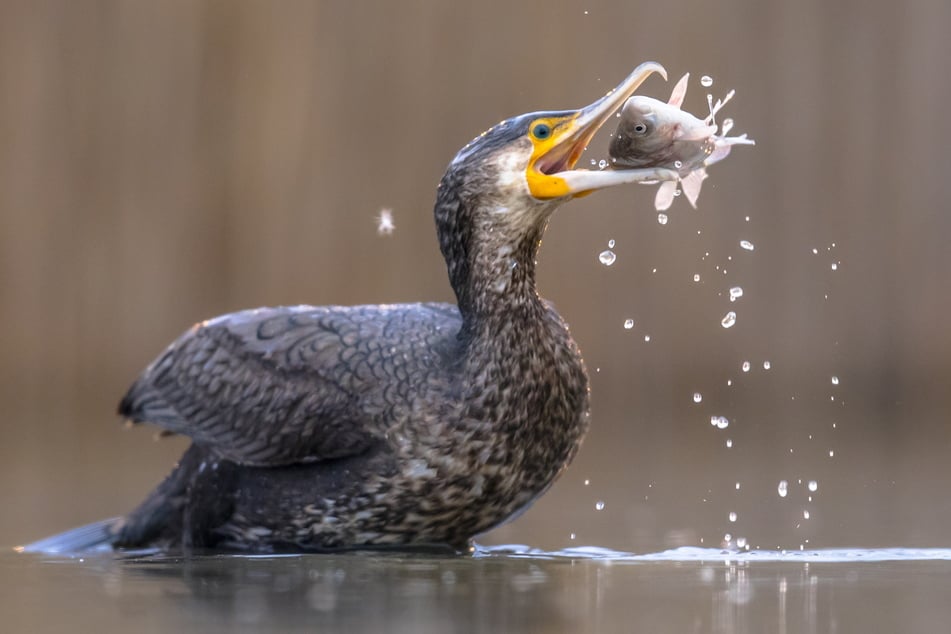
(552, 174)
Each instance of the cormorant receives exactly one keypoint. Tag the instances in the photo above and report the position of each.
(317, 428)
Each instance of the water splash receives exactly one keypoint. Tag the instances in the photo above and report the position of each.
(728, 320)
(607, 257)
(693, 553)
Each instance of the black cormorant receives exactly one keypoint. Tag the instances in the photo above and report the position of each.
(317, 428)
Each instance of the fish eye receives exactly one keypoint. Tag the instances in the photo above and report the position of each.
(640, 128)
(541, 131)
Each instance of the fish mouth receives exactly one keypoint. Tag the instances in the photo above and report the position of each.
(551, 174)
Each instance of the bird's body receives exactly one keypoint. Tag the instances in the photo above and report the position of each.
(321, 428)
(339, 427)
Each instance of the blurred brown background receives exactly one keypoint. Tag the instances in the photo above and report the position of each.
(163, 162)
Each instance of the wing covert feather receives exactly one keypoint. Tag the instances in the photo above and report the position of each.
(282, 385)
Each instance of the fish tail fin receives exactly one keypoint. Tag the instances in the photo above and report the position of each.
(96, 536)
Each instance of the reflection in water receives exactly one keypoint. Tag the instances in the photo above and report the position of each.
(492, 592)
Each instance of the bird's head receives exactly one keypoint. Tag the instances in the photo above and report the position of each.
(499, 191)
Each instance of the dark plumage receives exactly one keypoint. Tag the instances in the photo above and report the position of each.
(332, 427)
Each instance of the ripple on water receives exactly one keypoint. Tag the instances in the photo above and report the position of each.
(690, 553)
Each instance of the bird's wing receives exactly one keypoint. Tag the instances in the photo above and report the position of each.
(277, 386)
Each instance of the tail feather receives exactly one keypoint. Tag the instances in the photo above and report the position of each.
(97, 536)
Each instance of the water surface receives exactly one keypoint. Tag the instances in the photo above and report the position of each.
(498, 590)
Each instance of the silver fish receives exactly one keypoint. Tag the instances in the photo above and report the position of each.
(652, 133)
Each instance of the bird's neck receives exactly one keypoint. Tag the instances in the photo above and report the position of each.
(490, 256)
(500, 287)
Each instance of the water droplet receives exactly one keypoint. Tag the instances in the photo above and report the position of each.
(746, 366)
(783, 488)
(594, 162)
(741, 542)
(647, 337)
(662, 218)
(728, 320)
(727, 126)
(737, 486)
(572, 536)
(735, 293)
(697, 397)
(805, 514)
(728, 538)
(732, 516)
(677, 192)
(628, 324)
(831, 453)
(599, 505)
(706, 81)
(385, 225)
(835, 266)
(696, 277)
(611, 243)
(729, 382)
(815, 251)
(813, 486)
(678, 164)
(587, 482)
(720, 422)
(746, 244)
(729, 443)
(767, 365)
(835, 380)
(607, 258)
(602, 163)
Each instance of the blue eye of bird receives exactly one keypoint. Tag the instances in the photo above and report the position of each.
(542, 131)
(640, 128)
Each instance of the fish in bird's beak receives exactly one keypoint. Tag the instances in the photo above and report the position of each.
(559, 142)
(652, 133)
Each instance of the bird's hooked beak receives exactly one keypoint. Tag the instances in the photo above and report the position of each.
(551, 172)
